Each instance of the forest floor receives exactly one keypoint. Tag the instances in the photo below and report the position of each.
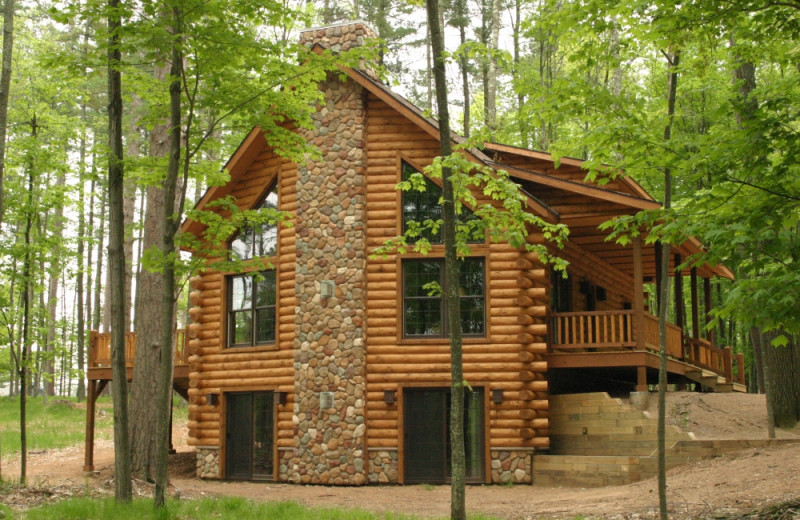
(731, 487)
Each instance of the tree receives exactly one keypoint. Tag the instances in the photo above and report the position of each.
(116, 257)
(5, 88)
(458, 510)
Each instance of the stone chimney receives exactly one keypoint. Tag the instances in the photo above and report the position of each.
(330, 351)
(341, 38)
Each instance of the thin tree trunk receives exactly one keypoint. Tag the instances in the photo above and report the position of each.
(491, 72)
(758, 349)
(129, 204)
(5, 88)
(116, 257)
(451, 267)
(52, 292)
(22, 361)
(171, 221)
(81, 333)
(98, 277)
(664, 301)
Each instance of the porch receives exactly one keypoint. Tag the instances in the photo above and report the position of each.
(99, 375)
(611, 340)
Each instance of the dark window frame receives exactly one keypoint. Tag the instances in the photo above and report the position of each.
(443, 327)
(254, 310)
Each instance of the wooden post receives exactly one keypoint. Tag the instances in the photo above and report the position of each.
(740, 368)
(659, 281)
(88, 451)
(695, 316)
(708, 306)
(727, 364)
(641, 379)
(679, 303)
(638, 292)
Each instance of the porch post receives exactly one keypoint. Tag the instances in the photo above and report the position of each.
(708, 306)
(695, 351)
(638, 292)
(680, 306)
(88, 450)
(659, 281)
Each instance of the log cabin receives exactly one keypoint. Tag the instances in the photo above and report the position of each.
(332, 366)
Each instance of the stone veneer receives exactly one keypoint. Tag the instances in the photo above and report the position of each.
(207, 462)
(341, 38)
(383, 466)
(330, 444)
(511, 466)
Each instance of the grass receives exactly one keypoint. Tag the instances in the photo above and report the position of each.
(207, 508)
(57, 425)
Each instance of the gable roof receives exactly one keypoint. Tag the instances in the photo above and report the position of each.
(634, 198)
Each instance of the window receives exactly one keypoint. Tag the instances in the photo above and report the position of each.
(257, 239)
(425, 315)
(419, 206)
(251, 309)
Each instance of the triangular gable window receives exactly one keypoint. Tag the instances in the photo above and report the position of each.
(257, 240)
(419, 206)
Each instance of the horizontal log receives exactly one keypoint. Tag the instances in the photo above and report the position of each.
(202, 442)
(196, 282)
(381, 443)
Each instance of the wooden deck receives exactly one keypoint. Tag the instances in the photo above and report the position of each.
(610, 339)
(99, 375)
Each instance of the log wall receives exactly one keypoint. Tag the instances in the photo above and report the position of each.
(509, 357)
(215, 369)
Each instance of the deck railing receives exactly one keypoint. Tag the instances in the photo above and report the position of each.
(100, 349)
(614, 330)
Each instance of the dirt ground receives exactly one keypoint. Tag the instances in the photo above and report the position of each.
(727, 487)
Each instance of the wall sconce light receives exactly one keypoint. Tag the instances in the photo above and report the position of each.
(212, 399)
(389, 396)
(327, 288)
(325, 400)
(497, 395)
(281, 398)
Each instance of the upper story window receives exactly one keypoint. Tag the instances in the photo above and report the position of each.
(419, 206)
(257, 240)
(251, 309)
(426, 315)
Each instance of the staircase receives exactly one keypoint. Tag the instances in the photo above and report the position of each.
(596, 441)
(714, 382)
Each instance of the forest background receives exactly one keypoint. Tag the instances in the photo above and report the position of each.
(578, 78)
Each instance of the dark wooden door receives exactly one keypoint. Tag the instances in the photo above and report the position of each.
(427, 435)
(249, 435)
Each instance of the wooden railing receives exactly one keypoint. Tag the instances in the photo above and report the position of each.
(574, 330)
(100, 349)
(614, 330)
(674, 336)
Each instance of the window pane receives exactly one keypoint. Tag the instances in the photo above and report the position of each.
(242, 331)
(472, 315)
(471, 277)
(242, 245)
(265, 325)
(241, 293)
(416, 274)
(267, 240)
(423, 317)
(419, 206)
(266, 290)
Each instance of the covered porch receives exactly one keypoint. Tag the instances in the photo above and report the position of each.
(624, 343)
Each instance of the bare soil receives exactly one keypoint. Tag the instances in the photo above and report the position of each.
(733, 486)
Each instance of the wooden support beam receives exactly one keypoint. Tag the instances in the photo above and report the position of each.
(638, 292)
(708, 306)
(727, 364)
(641, 379)
(695, 306)
(94, 391)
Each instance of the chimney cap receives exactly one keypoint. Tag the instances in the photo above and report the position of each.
(341, 24)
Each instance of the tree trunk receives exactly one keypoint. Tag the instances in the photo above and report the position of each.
(491, 71)
(98, 277)
(116, 257)
(781, 364)
(664, 302)
(451, 267)
(48, 365)
(171, 222)
(129, 203)
(25, 348)
(81, 317)
(5, 88)
(149, 289)
(758, 348)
